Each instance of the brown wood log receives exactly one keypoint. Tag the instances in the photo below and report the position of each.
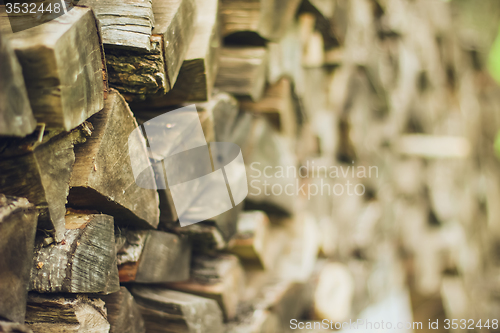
(15, 110)
(61, 314)
(63, 66)
(102, 176)
(8, 327)
(18, 220)
(220, 278)
(38, 168)
(242, 71)
(170, 311)
(123, 314)
(83, 262)
(153, 257)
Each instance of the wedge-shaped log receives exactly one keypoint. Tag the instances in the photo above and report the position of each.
(58, 314)
(9, 327)
(170, 311)
(123, 314)
(242, 71)
(151, 256)
(84, 262)
(16, 117)
(17, 236)
(63, 66)
(268, 18)
(38, 168)
(220, 278)
(102, 176)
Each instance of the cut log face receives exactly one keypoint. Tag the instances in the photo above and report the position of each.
(63, 67)
(221, 112)
(16, 117)
(59, 314)
(8, 327)
(242, 71)
(40, 171)
(153, 257)
(102, 176)
(220, 278)
(172, 311)
(123, 314)
(84, 262)
(18, 219)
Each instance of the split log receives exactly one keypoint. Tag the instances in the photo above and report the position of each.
(39, 168)
(8, 327)
(268, 19)
(123, 314)
(83, 262)
(66, 314)
(17, 235)
(220, 278)
(242, 71)
(172, 311)
(205, 237)
(255, 321)
(199, 68)
(151, 256)
(103, 177)
(63, 66)
(15, 110)
(277, 105)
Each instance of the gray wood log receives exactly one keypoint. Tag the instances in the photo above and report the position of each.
(197, 73)
(169, 311)
(220, 278)
(58, 314)
(18, 219)
(242, 71)
(16, 116)
(63, 66)
(123, 314)
(205, 237)
(84, 262)
(38, 168)
(151, 256)
(267, 18)
(102, 176)
(8, 327)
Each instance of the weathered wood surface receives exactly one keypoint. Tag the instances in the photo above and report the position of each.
(268, 18)
(58, 314)
(171, 311)
(63, 66)
(242, 71)
(8, 327)
(255, 321)
(38, 168)
(153, 256)
(122, 313)
(102, 176)
(18, 219)
(16, 116)
(221, 112)
(197, 74)
(83, 262)
(205, 237)
(220, 278)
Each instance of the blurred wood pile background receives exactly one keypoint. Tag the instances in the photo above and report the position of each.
(397, 88)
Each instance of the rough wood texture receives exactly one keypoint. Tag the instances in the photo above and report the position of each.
(255, 321)
(123, 314)
(57, 314)
(8, 327)
(38, 168)
(17, 235)
(153, 257)
(268, 18)
(197, 73)
(169, 311)
(242, 71)
(84, 262)
(205, 237)
(220, 278)
(63, 66)
(102, 176)
(16, 117)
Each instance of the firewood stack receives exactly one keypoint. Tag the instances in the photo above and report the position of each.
(367, 142)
